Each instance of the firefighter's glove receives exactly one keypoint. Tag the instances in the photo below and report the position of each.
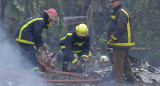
(110, 50)
(111, 41)
(37, 47)
(76, 62)
(40, 45)
(44, 47)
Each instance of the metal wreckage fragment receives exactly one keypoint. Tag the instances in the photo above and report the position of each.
(145, 74)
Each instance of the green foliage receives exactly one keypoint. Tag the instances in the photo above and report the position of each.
(145, 21)
(145, 24)
(16, 10)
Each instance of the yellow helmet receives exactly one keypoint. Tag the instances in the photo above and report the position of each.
(82, 30)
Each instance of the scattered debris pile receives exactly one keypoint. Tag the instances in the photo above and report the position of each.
(145, 74)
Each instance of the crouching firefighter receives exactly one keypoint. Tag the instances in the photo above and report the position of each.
(29, 35)
(75, 42)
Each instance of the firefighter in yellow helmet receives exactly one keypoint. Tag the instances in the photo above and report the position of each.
(75, 42)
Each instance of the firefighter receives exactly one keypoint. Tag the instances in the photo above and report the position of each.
(119, 38)
(104, 61)
(75, 42)
(29, 35)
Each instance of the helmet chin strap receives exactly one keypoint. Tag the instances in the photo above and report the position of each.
(54, 21)
(50, 24)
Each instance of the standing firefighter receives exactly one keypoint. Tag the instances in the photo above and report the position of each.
(119, 38)
(75, 42)
(29, 35)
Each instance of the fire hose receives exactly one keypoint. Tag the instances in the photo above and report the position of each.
(23, 77)
(69, 73)
(84, 80)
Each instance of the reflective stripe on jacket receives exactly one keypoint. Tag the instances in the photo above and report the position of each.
(119, 29)
(29, 32)
(72, 44)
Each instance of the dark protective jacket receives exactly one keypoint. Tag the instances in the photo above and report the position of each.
(119, 29)
(72, 44)
(29, 32)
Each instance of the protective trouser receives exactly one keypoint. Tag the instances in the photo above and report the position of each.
(29, 60)
(121, 64)
(65, 63)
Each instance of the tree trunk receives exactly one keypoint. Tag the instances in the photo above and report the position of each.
(27, 10)
(91, 26)
(3, 6)
(90, 13)
(61, 13)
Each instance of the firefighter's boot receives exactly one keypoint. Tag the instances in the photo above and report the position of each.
(65, 68)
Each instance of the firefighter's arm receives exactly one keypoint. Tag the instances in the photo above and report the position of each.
(38, 27)
(76, 62)
(111, 41)
(86, 50)
(121, 25)
(68, 50)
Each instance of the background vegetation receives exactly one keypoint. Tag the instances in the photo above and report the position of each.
(145, 16)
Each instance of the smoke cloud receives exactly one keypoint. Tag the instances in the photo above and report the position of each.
(11, 61)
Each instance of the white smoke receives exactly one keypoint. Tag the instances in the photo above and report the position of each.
(11, 73)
